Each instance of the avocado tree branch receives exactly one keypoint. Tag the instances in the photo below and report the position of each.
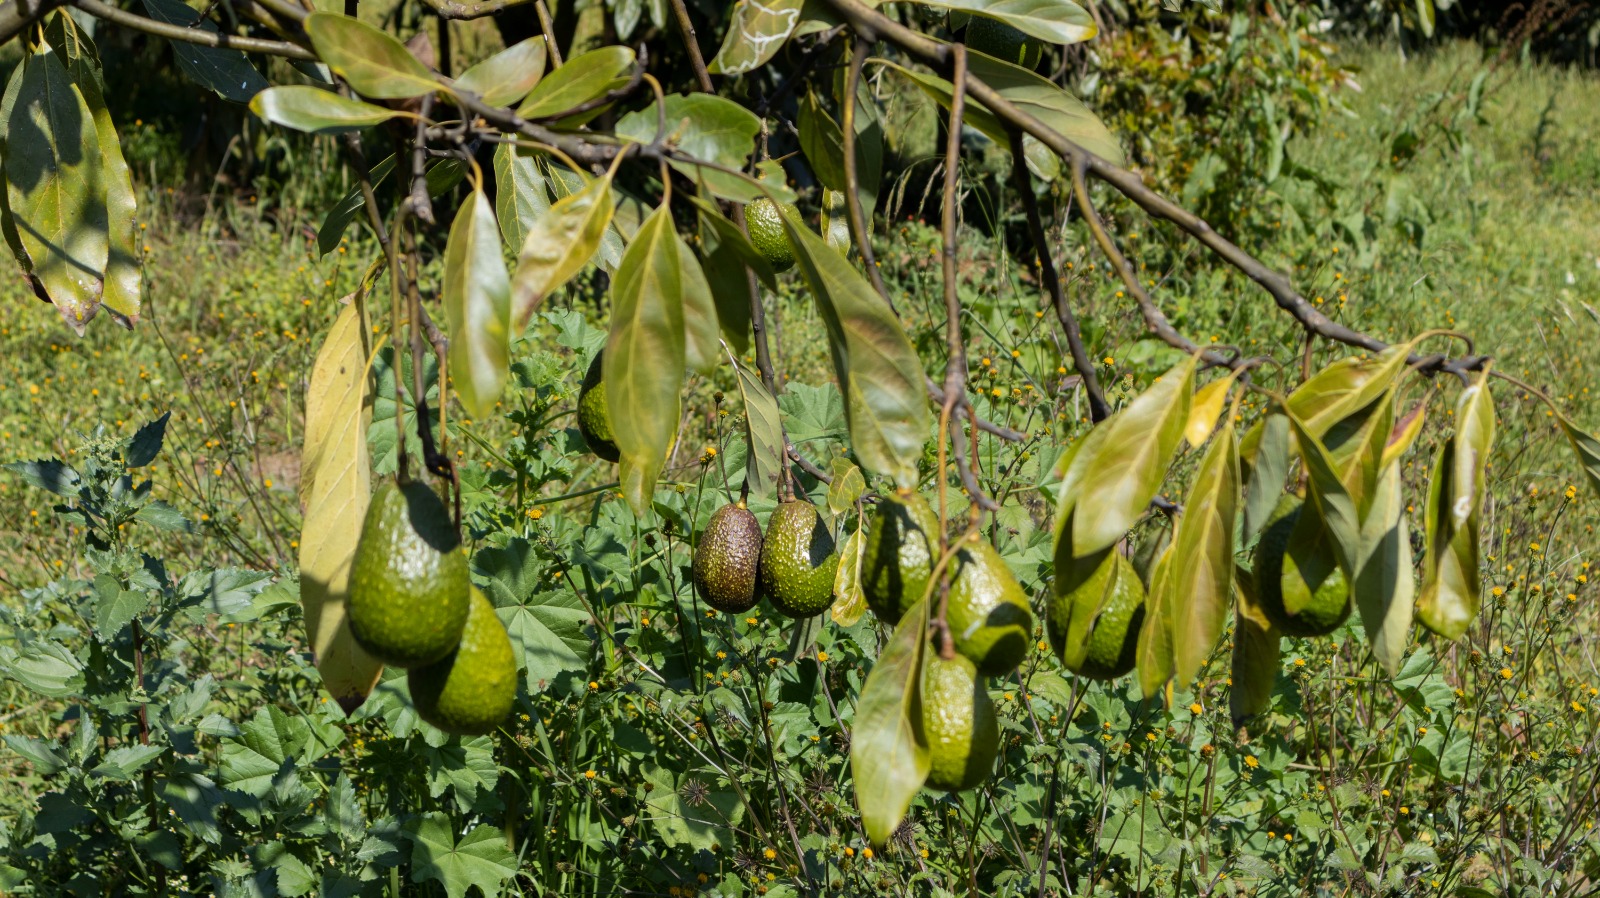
(188, 35)
(1099, 409)
(17, 15)
(449, 9)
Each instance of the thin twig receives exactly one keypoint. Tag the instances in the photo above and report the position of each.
(548, 27)
(691, 43)
(448, 9)
(859, 222)
(190, 35)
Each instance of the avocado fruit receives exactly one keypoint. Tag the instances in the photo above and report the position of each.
(798, 561)
(898, 556)
(594, 421)
(1315, 565)
(727, 559)
(1113, 641)
(987, 612)
(958, 722)
(469, 691)
(408, 580)
(764, 220)
(993, 37)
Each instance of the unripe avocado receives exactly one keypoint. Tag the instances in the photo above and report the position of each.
(1114, 642)
(470, 691)
(902, 546)
(1330, 603)
(959, 723)
(995, 38)
(798, 561)
(764, 221)
(988, 612)
(727, 559)
(594, 422)
(408, 580)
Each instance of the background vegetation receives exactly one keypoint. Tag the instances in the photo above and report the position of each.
(659, 749)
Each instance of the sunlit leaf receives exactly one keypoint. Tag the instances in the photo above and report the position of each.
(318, 111)
(375, 63)
(847, 486)
(335, 484)
(1405, 431)
(1451, 589)
(558, 245)
(644, 355)
(481, 858)
(1384, 588)
(835, 221)
(507, 76)
(521, 192)
(757, 30)
(1201, 570)
(1268, 474)
(1204, 409)
(1155, 658)
(876, 367)
(849, 600)
(764, 462)
(706, 127)
(581, 79)
(477, 307)
(888, 752)
(1126, 468)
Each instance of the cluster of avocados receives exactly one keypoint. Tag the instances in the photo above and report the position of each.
(412, 605)
(793, 564)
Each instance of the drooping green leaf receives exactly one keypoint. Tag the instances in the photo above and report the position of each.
(521, 194)
(116, 607)
(1384, 590)
(45, 760)
(728, 277)
(507, 76)
(477, 307)
(317, 111)
(756, 32)
(1201, 570)
(764, 462)
(701, 331)
(145, 444)
(889, 757)
(375, 63)
(228, 72)
(52, 475)
(481, 858)
(1268, 474)
(1329, 502)
(1341, 389)
(704, 126)
(55, 187)
(1256, 653)
(559, 243)
(1128, 464)
(1451, 588)
(644, 356)
(1056, 21)
(581, 79)
(1154, 656)
(876, 367)
(1204, 409)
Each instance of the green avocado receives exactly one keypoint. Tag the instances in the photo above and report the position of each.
(988, 612)
(470, 691)
(959, 723)
(901, 548)
(798, 561)
(993, 37)
(727, 559)
(1114, 641)
(765, 223)
(1330, 602)
(408, 581)
(593, 420)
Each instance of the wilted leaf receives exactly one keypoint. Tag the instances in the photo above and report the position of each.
(764, 462)
(644, 356)
(581, 79)
(558, 245)
(757, 30)
(1201, 569)
(877, 369)
(335, 485)
(849, 601)
(507, 76)
(1126, 467)
(847, 486)
(888, 750)
(375, 63)
(477, 307)
(318, 111)
(1204, 409)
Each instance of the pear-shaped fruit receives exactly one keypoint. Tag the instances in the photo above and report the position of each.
(470, 691)
(765, 223)
(1113, 641)
(727, 559)
(594, 422)
(1005, 43)
(408, 580)
(1315, 565)
(798, 561)
(988, 612)
(959, 723)
(901, 548)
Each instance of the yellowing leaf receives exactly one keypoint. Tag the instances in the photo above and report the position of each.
(559, 243)
(375, 63)
(335, 485)
(888, 752)
(477, 307)
(849, 600)
(1384, 588)
(1451, 589)
(1204, 410)
(1155, 654)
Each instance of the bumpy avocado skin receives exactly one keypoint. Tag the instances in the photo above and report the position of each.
(408, 581)
(1005, 43)
(798, 561)
(1330, 606)
(594, 421)
(728, 558)
(765, 223)
(988, 612)
(901, 548)
(959, 723)
(1114, 641)
(470, 691)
